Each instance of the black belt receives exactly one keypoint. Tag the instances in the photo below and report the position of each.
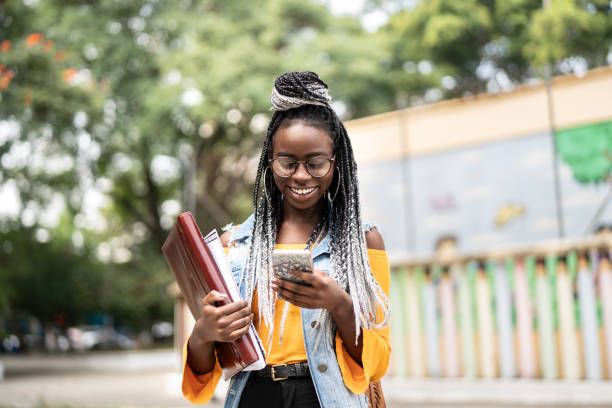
(283, 371)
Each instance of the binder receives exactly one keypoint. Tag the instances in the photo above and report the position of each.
(199, 266)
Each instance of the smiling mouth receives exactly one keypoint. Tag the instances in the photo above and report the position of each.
(302, 191)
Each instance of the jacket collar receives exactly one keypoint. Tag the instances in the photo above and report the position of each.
(245, 229)
(322, 247)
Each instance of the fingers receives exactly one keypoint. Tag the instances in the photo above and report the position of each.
(294, 298)
(224, 323)
(238, 325)
(232, 308)
(227, 319)
(297, 300)
(235, 329)
(295, 293)
(303, 305)
(213, 296)
(292, 286)
(322, 291)
(307, 277)
(235, 335)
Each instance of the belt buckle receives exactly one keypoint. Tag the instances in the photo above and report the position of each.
(273, 372)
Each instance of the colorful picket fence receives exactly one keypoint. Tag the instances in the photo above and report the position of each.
(537, 312)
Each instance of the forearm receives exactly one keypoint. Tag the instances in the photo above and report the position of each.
(344, 317)
(200, 355)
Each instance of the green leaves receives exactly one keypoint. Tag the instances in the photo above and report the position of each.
(105, 91)
(588, 150)
(513, 37)
(565, 30)
(143, 83)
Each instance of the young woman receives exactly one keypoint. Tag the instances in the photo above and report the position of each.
(324, 342)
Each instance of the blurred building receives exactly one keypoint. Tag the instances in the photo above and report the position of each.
(495, 269)
(481, 168)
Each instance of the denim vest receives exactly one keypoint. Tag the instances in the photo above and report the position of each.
(323, 363)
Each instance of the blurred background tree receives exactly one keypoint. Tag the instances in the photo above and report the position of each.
(116, 116)
(462, 48)
(153, 107)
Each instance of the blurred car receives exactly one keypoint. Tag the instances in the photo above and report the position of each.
(11, 344)
(98, 338)
(162, 331)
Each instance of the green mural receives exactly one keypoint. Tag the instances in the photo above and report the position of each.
(587, 150)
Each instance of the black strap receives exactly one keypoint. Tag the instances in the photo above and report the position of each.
(282, 371)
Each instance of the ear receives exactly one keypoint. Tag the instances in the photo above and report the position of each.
(374, 240)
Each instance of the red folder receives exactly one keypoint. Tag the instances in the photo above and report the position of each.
(196, 274)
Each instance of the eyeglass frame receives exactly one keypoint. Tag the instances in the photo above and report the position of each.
(303, 162)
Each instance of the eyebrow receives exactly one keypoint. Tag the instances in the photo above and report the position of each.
(309, 155)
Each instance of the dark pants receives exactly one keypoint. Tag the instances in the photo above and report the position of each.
(298, 392)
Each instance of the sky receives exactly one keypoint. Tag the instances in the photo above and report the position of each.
(370, 21)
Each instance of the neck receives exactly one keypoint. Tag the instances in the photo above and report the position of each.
(309, 216)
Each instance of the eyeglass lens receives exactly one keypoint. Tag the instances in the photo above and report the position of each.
(286, 166)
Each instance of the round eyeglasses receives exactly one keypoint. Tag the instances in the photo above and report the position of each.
(317, 166)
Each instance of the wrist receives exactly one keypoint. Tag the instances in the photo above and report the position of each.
(197, 340)
(343, 304)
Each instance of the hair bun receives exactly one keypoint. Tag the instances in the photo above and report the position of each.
(295, 89)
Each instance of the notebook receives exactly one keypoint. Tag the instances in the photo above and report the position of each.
(199, 266)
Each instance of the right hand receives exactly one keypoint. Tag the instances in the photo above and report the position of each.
(223, 323)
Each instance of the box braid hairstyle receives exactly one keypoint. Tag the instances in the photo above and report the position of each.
(303, 97)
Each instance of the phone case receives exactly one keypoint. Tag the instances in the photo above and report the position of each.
(285, 260)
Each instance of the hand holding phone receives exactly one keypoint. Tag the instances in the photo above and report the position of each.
(285, 260)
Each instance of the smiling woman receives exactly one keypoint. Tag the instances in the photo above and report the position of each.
(301, 162)
(327, 340)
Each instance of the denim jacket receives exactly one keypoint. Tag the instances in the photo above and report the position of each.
(323, 363)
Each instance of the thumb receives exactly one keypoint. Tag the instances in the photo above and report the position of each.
(214, 296)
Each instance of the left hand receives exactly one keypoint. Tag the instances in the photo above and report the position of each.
(324, 292)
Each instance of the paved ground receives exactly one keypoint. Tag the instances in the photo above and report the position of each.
(120, 379)
(151, 379)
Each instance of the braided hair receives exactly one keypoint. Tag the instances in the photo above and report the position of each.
(303, 97)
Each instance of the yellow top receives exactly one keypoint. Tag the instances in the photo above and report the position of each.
(199, 389)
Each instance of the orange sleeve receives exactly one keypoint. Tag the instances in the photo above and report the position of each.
(376, 349)
(199, 389)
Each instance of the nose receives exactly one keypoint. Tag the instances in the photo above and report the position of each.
(301, 174)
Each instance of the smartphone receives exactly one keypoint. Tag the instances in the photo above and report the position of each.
(284, 260)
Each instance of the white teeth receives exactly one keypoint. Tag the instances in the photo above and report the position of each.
(302, 191)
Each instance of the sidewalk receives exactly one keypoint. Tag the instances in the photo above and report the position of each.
(498, 393)
(101, 379)
(151, 379)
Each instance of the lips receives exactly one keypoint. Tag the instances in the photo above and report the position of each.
(302, 191)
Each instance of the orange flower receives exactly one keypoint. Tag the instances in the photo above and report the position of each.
(4, 82)
(1, 68)
(68, 74)
(5, 46)
(33, 39)
(27, 99)
(60, 55)
(48, 45)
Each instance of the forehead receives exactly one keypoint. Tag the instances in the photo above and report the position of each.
(299, 139)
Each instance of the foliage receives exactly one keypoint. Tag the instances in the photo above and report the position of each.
(116, 115)
(588, 150)
(146, 91)
(493, 45)
(568, 29)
